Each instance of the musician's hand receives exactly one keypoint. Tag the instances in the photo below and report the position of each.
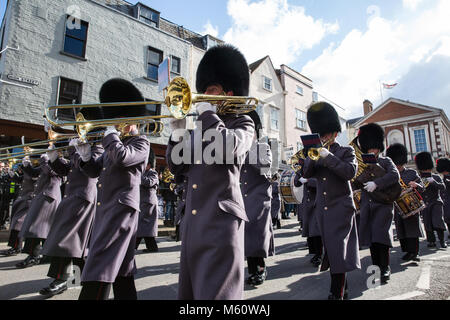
(10, 172)
(74, 142)
(84, 150)
(26, 161)
(324, 153)
(52, 154)
(205, 106)
(111, 130)
(370, 186)
(44, 157)
(430, 179)
(303, 180)
(413, 184)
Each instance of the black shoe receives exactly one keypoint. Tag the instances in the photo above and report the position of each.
(333, 297)
(260, 277)
(443, 244)
(385, 275)
(29, 262)
(345, 295)
(250, 279)
(11, 252)
(407, 257)
(56, 287)
(431, 245)
(150, 250)
(278, 224)
(415, 258)
(316, 260)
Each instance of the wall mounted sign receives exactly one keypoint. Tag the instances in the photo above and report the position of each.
(23, 80)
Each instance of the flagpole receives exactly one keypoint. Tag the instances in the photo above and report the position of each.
(381, 92)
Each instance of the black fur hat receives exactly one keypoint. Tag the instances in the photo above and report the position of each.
(323, 118)
(371, 136)
(120, 90)
(257, 121)
(442, 165)
(424, 161)
(398, 153)
(224, 65)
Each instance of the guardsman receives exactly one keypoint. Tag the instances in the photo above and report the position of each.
(443, 167)
(433, 214)
(67, 240)
(148, 217)
(212, 229)
(409, 230)
(19, 210)
(335, 210)
(257, 190)
(119, 170)
(376, 218)
(39, 219)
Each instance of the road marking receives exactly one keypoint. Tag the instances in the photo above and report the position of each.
(407, 296)
(424, 280)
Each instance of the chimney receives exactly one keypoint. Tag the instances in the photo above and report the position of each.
(368, 107)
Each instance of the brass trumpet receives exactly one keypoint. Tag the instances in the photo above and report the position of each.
(314, 153)
(179, 99)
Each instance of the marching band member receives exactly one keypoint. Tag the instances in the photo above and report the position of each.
(181, 183)
(433, 214)
(69, 234)
(212, 229)
(119, 169)
(375, 217)
(46, 199)
(443, 167)
(409, 230)
(148, 216)
(19, 210)
(335, 210)
(310, 228)
(256, 188)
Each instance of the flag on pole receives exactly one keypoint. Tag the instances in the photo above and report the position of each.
(389, 86)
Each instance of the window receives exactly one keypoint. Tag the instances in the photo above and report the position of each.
(75, 38)
(315, 96)
(175, 65)
(299, 146)
(267, 83)
(300, 119)
(421, 140)
(70, 92)
(154, 59)
(149, 16)
(274, 119)
(299, 90)
(153, 109)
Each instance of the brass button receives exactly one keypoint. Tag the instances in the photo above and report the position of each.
(104, 169)
(65, 196)
(198, 162)
(246, 183)
(98, 203)
(99, 185)
(245, 171)
(326, 208)
(194, 212)
(324, 193)
(70, 170)
(246, 196)
(194, 186)
(67, 182)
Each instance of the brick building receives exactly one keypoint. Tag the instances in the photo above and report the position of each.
(418, 127)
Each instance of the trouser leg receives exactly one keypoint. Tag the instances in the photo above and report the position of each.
(338, 284)
(124, 288)
(95, 290)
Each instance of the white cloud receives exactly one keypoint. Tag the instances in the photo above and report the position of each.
(208, 28)
(351, 71)
(411, 4)
(275, 28)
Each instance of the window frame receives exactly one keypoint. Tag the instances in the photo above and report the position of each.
(315, 96)
(412, 137)
(58, 97)
(272, 110)
(149, 48)
(72, 37)
(297, 91)
(172, 58)
(264, 83)
(146, 19)
(304, 120)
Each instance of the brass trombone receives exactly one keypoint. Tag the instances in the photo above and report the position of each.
(179, 99)
(314, 153)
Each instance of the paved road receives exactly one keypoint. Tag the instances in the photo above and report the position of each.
(291, 276)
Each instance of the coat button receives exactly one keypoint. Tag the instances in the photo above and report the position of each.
(245, 171)
(246, 195)
(324, 179)
(65, 196)
(98, 203)
(324, 193)
(198, 162)
(326, 208)
(67, 182)
(245, 183)
(104, 169)
(70, 170)
(194, 212)
(194, 186)
(100, 185)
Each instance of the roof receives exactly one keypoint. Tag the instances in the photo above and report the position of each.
(353, 121)
(255, 65)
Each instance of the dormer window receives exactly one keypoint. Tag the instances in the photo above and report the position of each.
(149, 16)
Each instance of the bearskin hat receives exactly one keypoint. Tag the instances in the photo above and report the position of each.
(371, 136)
(424, 161)
(323, 118)
(398, 153)
(224, 65)
(120, 90)
(443, 165)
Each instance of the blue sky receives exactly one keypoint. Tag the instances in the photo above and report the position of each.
(346, 47)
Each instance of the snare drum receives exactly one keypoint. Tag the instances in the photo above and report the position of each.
(289, 193)
(357, 200)
(409, 203)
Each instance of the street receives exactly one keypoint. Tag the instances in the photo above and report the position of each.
(290, 274)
